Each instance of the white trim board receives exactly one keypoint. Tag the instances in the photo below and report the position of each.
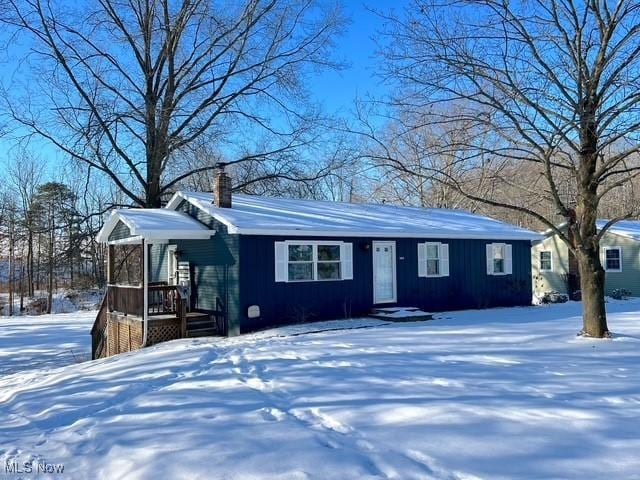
(147, 227)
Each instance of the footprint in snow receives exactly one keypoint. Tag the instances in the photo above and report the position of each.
(256, 383)
(272, 414)
(316, 418)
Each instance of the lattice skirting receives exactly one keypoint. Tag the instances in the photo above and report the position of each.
(162, 331)
(124, 334)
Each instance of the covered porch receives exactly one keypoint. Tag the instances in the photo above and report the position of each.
(136, 311)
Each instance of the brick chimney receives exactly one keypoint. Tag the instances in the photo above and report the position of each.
(222, 190)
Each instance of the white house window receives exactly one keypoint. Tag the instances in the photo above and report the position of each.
(328, 262)
(546, 264)
(499, 259)
(433, 259)
(313, 261)
(612, 259)
(300, 264)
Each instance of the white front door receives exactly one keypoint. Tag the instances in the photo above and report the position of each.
(384, 272)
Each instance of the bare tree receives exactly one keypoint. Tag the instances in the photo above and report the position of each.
(551, 82)
(291, 173)
(412, 156)
(125, 87)
(25, 173)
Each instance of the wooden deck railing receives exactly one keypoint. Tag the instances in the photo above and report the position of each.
(126, 300)
(162, 300)
(169, 300)
(98, 329)
(220, 316)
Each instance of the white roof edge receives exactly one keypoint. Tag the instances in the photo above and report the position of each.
(550, 231)
(138, 234)
(109, 225)
(126, 241)
(174, 202)
(320, 233)
(179, 235)
(612, 230)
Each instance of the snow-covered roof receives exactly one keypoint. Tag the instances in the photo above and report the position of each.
(255, 215)
(155, 224)
(625, 228)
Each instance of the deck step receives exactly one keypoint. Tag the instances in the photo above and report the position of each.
(200, 325)
(202, 332)
(400, 314)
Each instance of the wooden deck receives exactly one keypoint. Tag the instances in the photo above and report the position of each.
(167, 312)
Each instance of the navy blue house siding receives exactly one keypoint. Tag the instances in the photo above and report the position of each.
(239, 270)
(214, 267)
(467, 286)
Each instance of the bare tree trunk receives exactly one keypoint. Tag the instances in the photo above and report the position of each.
(592, 277)
(51, 261)
(38, 264)
(71, 252)
(22, 268)
(30, 281)
(11, 260)
(592, 287)
(153, 194)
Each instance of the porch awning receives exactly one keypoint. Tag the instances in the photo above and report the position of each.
(151, 224)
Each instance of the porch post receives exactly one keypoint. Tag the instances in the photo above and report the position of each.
(145, 292)
(110, 259)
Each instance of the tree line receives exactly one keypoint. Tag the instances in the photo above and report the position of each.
(48, 242)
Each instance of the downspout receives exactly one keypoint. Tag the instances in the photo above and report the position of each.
(145, 293)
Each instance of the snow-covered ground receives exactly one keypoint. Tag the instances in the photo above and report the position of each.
(28, 343)
(504, 393)
(64, 301)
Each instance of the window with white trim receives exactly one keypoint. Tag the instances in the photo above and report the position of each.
(300, 264)
(433, 259)
(298, 261)
(328, 262)
(546, 261)
(612, 259)
(499, 259)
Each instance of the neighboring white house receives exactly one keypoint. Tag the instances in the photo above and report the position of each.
(552, 265)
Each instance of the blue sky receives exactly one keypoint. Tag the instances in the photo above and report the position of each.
(334, 90)
(337, 90)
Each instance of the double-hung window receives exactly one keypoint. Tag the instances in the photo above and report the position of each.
(433, 259)
(308, 261)
(300, 264)
(612, 259)
(546, 262)
(499, 261)
(328, 262)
